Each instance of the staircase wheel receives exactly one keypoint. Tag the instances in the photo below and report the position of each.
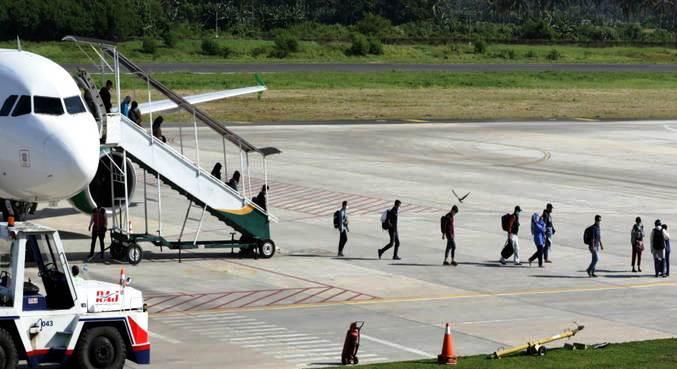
(267, 249)
(134, 254)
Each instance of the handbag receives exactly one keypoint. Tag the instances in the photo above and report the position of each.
(639, 245)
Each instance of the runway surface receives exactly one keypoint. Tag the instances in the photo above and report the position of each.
(387, 67)
(215, 310)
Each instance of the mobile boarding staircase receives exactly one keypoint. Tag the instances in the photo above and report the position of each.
(124, 137)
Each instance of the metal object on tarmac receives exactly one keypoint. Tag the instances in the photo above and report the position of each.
(536, 347)
(352, 344)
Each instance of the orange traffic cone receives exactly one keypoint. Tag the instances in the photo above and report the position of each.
(447, 357)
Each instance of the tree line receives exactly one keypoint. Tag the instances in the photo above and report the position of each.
(596, 20)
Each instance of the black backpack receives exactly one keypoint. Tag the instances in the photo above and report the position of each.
(505, 222)
(444, 223)
(658, 240)
(587, 235)
(337, 219)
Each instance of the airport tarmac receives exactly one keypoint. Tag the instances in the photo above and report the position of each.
(215, 310)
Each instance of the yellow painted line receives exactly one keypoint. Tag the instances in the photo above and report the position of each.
(395, 300)
(587, 120)
(416, 120)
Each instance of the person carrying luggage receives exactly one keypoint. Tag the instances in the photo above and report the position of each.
(511, 225)
(448, 232)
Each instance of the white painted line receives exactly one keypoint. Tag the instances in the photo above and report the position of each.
(317, 351)
(163, 338)
(287, 339)
(397, 346)
(287, 344)
(210, 322)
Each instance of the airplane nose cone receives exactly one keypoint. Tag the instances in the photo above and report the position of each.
(72, 163)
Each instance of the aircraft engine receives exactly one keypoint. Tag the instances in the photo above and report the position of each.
(99, 191)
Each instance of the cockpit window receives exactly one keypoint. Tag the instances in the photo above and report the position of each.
(7, 106)
(48, 105)
(23, 106)
(74, 105)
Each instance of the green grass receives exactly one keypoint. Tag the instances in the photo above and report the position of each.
(334, 52)
(659, 354)
(414, 80)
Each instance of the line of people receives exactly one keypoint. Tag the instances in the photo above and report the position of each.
(542, 230)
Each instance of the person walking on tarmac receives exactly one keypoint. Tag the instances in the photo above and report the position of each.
(538, 229)
(512, 227)
(390, 224)
(98, 225)
(448, 232)
(668, 249)
(593, 238)
(341, 223)
(658, 248)
(549, 232)
(637, 242)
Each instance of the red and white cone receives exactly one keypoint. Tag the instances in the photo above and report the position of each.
(448, 356)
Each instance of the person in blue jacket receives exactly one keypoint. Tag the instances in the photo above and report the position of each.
(538, 230)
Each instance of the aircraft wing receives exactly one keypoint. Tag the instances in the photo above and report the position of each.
(167, 105)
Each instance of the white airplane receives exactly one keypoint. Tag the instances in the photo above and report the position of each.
(49, 141)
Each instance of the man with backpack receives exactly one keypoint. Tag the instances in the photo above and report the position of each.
(390, 224)
(447, 228)
(637, 242)
(549, 232)
(341, 223)
(511, 225)
(593, 238)
(658, 248)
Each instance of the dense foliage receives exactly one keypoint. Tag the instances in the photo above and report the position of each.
(387, 20)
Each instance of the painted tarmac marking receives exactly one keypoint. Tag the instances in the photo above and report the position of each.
(164, 338)
(397, 346)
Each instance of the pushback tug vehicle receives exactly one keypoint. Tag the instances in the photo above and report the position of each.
(49, 316)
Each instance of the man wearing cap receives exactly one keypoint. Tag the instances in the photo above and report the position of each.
(549, 232)
(658, 248)
(513, 230)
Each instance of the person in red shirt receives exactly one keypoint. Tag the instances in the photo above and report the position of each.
(449, 233)
(98, 225)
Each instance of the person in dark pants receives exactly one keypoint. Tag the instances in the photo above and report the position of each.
(538, 230)
(449, 233)
(216, 170)
(637, 242)
(658, 248)
(668, 249)
(105, 95)
(260, 199)
(343, 227)
(549, 232)
(234, 181)
(595, 246)
(98, 225)
(134, 113)
(513, 238)
(157, 128)
(391, 225)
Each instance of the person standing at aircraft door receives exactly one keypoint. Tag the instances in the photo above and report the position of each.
(448, 232)
(341, 223)
(105, 95)
(124, 107)
(234, 181)
(98, 225)
(390, 225)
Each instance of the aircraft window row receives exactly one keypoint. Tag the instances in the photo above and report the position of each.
(41, 105)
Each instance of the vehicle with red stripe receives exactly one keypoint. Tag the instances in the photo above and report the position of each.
(48, 315)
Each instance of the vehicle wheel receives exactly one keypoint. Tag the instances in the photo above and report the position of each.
(541, 351)
(531, 350)
(356, 360)
(100, 348)
(117, 251)
(267, 249)
(134, 254)
(8, 354)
